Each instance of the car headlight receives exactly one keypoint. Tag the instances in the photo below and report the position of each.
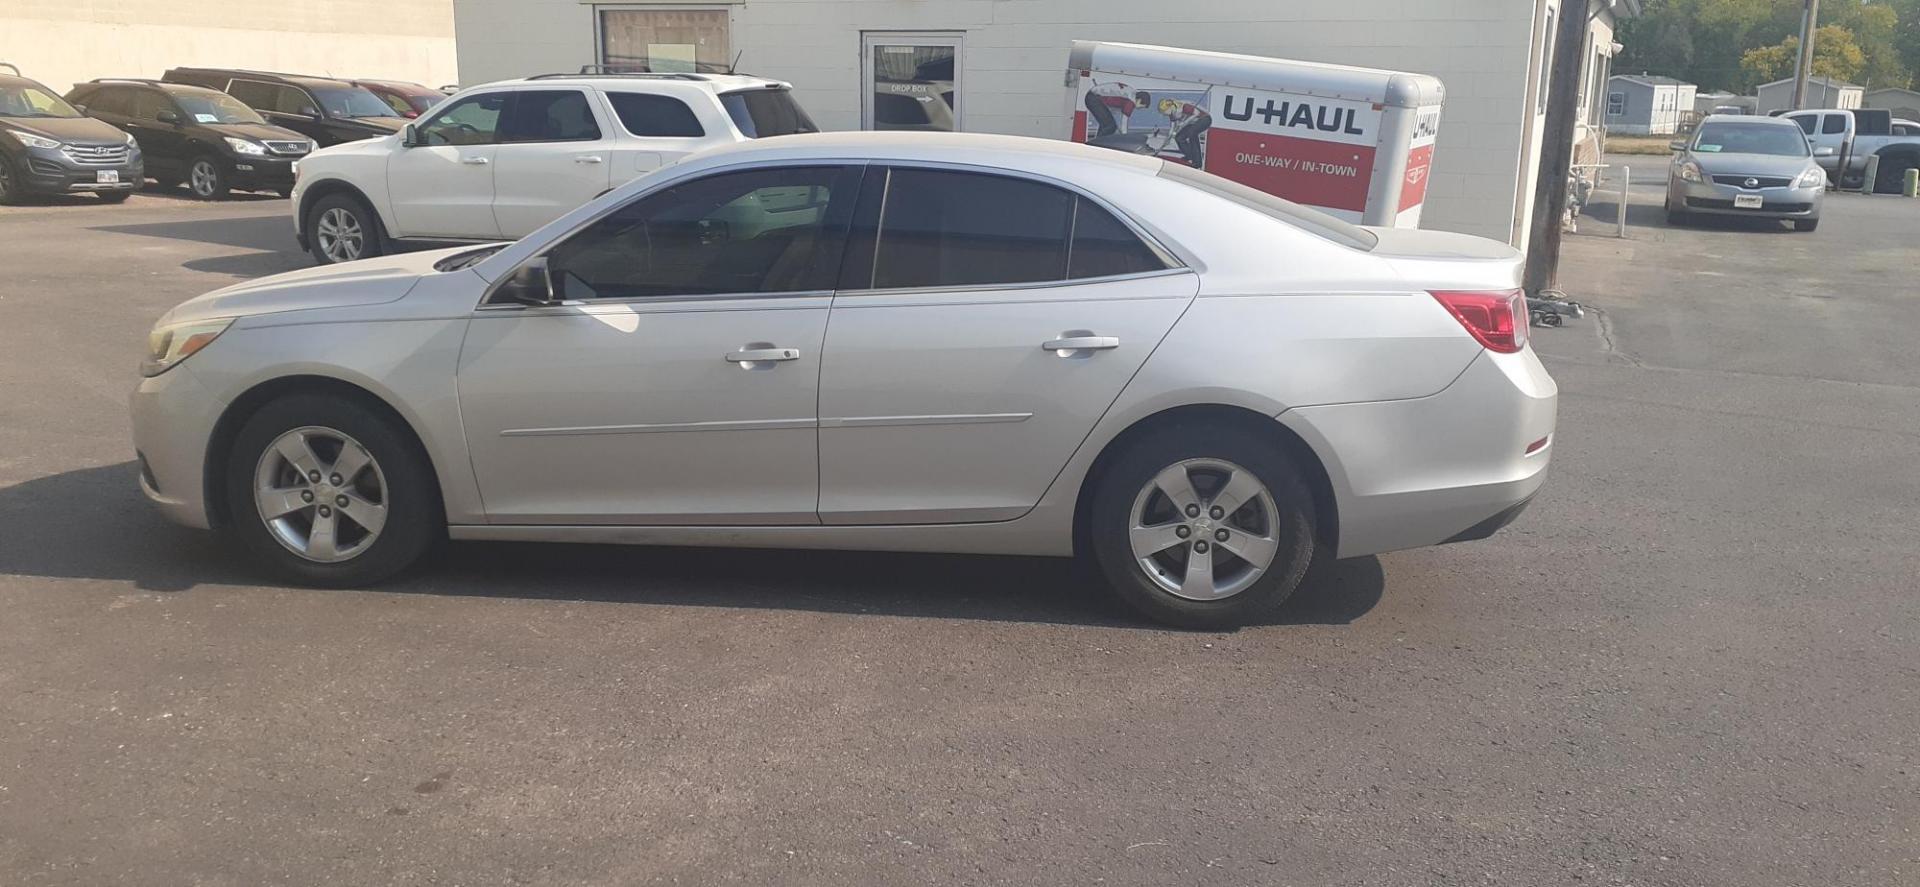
(130, 141)
(1690, 172)
(33, 141)
(1812, 177)
(242, 146)
(170, 344)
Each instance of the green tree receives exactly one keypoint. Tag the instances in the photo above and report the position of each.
(1835, 54)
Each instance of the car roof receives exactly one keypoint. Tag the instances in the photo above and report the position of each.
(717, 83)
(961, 147)
(1748, 118)
(395, 84)
(270, 76)
(166, 86)
(10, 80)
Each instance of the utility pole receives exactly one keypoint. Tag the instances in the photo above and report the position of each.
(1568, 48)
(1803, 66)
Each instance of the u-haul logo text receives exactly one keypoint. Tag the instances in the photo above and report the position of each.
(1285, 114)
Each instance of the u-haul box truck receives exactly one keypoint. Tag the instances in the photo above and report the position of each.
(1354, 142)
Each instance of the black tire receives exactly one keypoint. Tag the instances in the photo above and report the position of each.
(415, 521)
(206, 180)
(1805, 224)
(114, 196)
(1893, 173)
(1110, 516)
(373, 241)
(12, 191)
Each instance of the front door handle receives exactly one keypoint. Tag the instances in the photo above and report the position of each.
(1064, 347)
(587, 158)
(474, 161)
(761, 355)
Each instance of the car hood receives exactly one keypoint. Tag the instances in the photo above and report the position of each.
(259, 132)
(1751, 164)
(366, 282)
(79, 130)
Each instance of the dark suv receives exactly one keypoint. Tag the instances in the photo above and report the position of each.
(325, 110)
(408, 100)
(48, 147)
(196, 135)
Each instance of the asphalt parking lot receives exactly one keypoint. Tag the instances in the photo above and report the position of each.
(1691, 663)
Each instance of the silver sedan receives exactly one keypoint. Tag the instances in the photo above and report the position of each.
(1752, 167)
(897, 341)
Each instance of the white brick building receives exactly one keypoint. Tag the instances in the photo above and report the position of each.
(1000, 64)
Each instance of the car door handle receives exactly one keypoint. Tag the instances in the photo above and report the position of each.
(1062, 346)
(474, 161)
(761, 355)
(589, 158)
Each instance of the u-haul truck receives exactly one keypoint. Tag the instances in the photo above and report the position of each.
(1354, 142)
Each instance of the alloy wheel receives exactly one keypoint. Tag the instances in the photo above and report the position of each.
(201, 178)
(321, 494)
(341, 236)
(1204, 529)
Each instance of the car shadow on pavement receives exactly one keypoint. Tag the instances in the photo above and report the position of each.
(247, 232)
(93, 523)
(1606, 214)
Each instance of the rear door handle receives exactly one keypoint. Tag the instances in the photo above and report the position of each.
(760, 355)
(1080, 343)
(474, 161)
(588, 158)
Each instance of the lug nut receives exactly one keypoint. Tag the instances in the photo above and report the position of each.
(328, 512)
(335, 480)
(1193, 511)
(1220, 535)
(313, 476)
(1182, 532)
(1217, 512)
(306, 495)
(1200, 546)
(340, 501)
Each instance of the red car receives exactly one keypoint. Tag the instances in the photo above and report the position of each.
(407, 99)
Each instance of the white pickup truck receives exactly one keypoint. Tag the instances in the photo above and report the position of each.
(1844, 139)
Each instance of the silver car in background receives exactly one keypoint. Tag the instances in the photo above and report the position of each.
(1750, 167)
(898, 341)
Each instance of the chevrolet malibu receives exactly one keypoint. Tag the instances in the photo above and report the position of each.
(886, 341)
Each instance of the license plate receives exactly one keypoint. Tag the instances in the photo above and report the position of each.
(107, 177)
(1748, 201)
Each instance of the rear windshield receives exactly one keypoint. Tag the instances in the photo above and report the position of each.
(760, 113)
(1315, 221)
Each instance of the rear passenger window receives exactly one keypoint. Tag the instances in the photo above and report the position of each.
(1105, 247)
(559, 115)
(258, 96)
(942, 228)
(1835, 123)
(656, 116)
(1808, 123)
(107, 101)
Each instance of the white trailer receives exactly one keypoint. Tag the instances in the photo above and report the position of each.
(1354, 142)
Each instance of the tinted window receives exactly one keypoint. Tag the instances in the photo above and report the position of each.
(255, 94)
(942, 228)
(352, 102)
(148, 103)
(1103, 246)
(1808, 123)
(762, 231)
(109, 100)
(559, 115)
(469, 121)
(761, 113)
(1835, 123)
(893, 109)
(655, 115)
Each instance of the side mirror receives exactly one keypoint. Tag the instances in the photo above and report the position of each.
(1677, 145)
(409, 136)
(310, 113)
(529, 284)
(168, 117)
(1824, 151)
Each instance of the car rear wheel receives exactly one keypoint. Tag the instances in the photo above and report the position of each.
(326, 491)
(206, 180)
(342, 229)
(1206, 528)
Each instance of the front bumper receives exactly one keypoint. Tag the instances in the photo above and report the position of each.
(51, 171)
(1450, 467)
(173, 418)
(269, 173)
(1713, 198)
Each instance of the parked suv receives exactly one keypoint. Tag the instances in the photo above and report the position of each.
(500, 160)
(325, 110)
(48, 147)
(199, 136)
(407, 100)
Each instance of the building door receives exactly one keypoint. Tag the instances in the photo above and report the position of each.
(910, 81)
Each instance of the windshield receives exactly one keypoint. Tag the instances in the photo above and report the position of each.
(1751, 138)
(354, 102)
(215, 107)
(760, 113)
(33, 101)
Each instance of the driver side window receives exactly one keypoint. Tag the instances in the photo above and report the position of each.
(762, 231)
(470, 121)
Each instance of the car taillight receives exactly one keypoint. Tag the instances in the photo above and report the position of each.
(1496, 319)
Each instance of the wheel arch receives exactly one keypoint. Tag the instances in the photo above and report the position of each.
(312, 194)
(227, 428)
(1296, 448)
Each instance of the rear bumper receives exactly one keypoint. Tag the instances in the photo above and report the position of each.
(1450, 467)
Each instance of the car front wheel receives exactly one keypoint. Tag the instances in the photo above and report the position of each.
(206, 180)
(325, 491)
(342, 229)
(1206, 528)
